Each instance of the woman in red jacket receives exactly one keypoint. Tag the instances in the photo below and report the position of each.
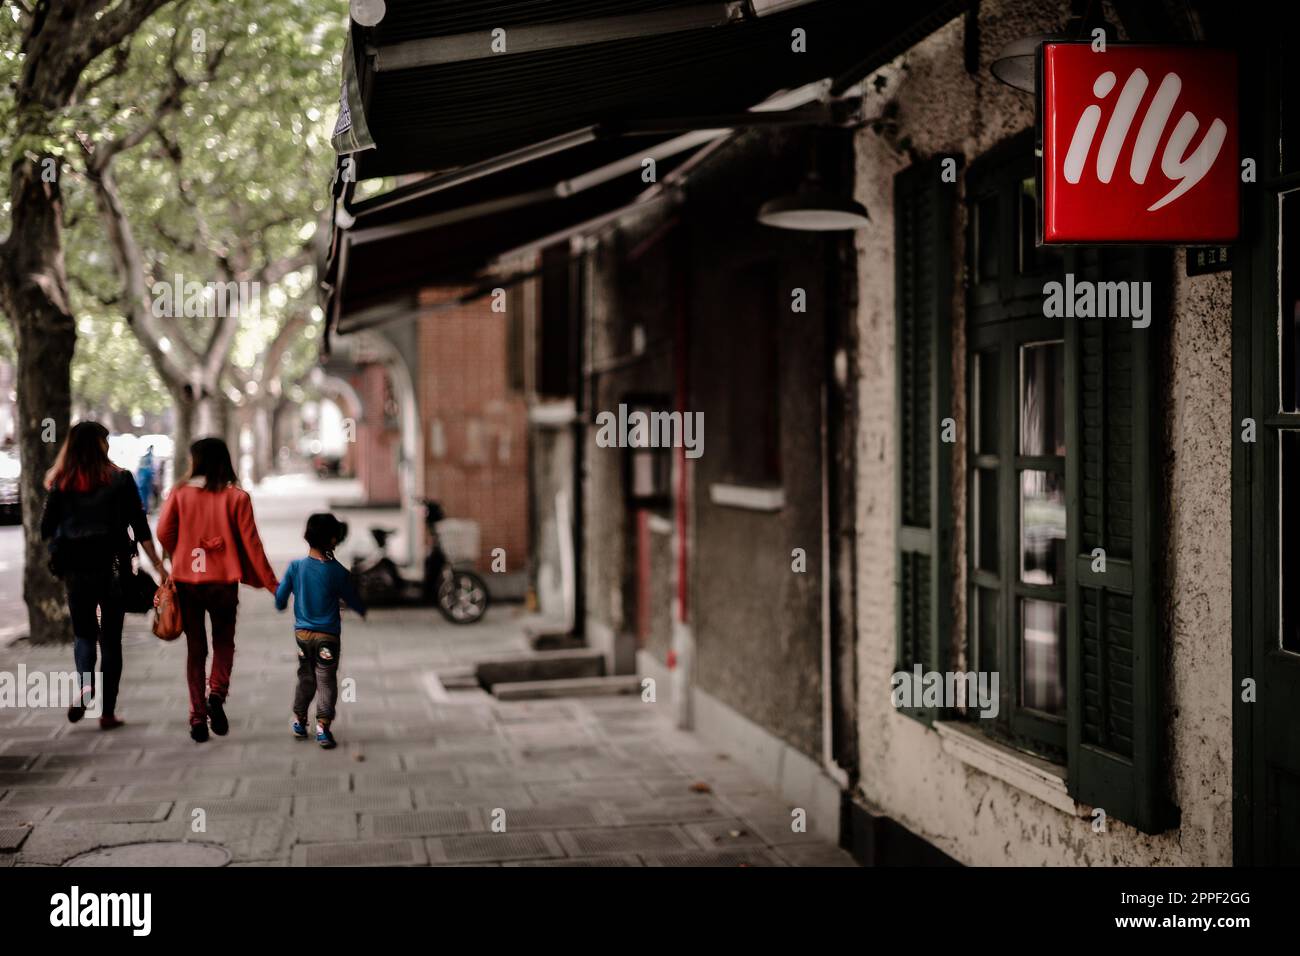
(207, 527)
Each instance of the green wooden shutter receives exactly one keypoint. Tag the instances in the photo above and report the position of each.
(1113, 663)
(924, 267)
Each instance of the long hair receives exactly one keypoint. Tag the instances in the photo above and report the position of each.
(82, 464)
(210, 460)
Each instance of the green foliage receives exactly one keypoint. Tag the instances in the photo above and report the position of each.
(233, 180)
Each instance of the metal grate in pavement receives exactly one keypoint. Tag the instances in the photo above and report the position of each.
(57, 796)
(624, 840)
(422, 823)
(753, 857)
(486, 795)
(388, 853)
(494, 846)
(115, 813)
(11, 838)
(296, 785)
(420, 778)
(32, 778)
(186, 788)
(239, 807)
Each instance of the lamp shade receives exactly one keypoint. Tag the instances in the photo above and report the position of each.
(1014, 64)
(814, 211)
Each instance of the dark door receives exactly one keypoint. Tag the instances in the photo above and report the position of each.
(1266, 473)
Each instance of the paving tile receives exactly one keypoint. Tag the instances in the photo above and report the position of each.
(590, 861)
(720, 834)
(494, 795)
(814, 854)
(352, 802)
(669, 810)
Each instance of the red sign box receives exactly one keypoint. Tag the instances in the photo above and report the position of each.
(1139, 144)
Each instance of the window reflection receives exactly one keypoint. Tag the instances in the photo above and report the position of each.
(1042, 686)
(1042, 527)
(1042, 399)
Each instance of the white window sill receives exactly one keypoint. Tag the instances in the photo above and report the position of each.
(1032, 775)
(748, 497)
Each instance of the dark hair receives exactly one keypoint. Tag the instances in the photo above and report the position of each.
(82, 463)
(210, 460)
(324, 531)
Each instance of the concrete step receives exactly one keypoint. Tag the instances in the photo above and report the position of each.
(568, 687)
(543, 665)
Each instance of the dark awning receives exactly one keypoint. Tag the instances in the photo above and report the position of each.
(427, 234)
(430, 94)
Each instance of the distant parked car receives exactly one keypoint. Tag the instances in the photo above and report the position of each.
(11, 504)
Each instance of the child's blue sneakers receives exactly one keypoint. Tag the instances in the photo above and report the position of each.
(324, 737)
(298, 729)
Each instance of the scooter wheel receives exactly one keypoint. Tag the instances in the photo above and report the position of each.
(463, 598)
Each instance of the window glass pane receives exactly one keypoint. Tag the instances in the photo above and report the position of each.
(986, 519)
(1042, 678)
(986, 403)
(986, 630)
(1289, 273)
(1042, 399)
(1033, 258)
(1290, 537)
(986, 239)
(1042, 527)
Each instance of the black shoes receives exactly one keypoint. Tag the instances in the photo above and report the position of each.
(217, 716)
(75, 713)
(199, 733)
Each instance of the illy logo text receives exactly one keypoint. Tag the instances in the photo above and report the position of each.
(1183, 169)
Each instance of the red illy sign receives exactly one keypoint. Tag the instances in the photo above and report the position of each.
(1139, 144)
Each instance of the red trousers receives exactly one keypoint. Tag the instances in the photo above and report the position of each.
(198, 602)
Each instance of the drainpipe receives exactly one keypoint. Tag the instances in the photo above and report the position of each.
(681, 657)
(578, 286)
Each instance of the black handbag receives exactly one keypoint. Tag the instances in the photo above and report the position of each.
(136, 585)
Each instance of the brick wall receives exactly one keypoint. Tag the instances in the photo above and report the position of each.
(474, 422)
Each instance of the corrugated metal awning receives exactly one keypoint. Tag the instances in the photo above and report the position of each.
(429, 94)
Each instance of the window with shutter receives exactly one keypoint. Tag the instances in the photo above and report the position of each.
(1062, 510)
(923, 223)
(1114, 680)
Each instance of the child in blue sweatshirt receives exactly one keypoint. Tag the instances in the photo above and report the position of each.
(317, 583)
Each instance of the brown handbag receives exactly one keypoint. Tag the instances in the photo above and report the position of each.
(167, 612)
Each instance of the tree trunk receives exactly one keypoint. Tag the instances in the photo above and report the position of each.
(33, 291)
(263, 412)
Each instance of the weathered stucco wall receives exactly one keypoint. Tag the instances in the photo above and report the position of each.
(929, 105)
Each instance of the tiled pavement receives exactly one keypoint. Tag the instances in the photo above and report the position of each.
(422, 776)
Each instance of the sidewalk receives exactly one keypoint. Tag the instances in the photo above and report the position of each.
(419, 776)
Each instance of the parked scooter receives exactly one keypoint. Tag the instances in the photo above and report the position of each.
(458, 593)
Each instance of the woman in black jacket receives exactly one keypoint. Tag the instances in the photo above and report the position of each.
(91, 505)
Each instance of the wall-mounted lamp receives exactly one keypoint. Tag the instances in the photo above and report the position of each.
(814, 209)
(1014, 64)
